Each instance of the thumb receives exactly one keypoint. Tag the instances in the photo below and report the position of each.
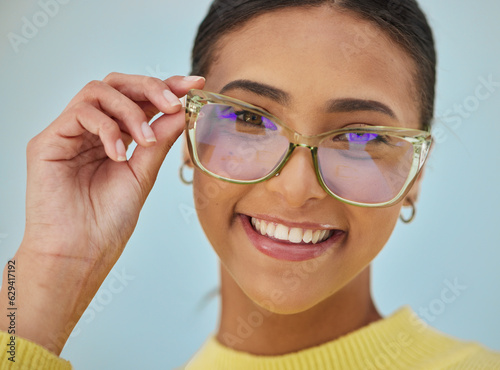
(146, 161)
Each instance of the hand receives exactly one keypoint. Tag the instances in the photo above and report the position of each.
(83, 197)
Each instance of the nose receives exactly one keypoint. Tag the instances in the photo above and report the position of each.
(297, 183)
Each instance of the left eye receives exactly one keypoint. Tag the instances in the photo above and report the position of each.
(361, 138)
(250, 117)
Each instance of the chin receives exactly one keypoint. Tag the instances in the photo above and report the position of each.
(277, 300)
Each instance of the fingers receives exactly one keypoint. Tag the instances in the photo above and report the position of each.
(118, 110)
(89, 118)
(146, 162)
(180, 85)
(164, 95)
(115, 105)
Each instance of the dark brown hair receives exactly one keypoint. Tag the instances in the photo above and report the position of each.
(402, 20)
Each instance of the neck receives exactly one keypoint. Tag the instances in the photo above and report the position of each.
(245, 326)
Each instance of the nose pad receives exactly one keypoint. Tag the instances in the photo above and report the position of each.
(297, 182)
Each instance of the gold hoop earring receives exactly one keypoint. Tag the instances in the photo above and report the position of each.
(181, 174)
(413, 213)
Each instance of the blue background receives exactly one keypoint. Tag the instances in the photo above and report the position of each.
(156, 317)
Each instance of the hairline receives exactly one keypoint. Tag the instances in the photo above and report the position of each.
(417, 84)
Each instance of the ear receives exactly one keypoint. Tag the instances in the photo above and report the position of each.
(186, 158)
(415, 190)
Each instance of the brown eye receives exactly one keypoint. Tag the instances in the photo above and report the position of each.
(252, 118)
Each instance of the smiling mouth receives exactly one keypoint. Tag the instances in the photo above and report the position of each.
(293, 235)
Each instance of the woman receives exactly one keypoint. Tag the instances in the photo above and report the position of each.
(296, 240)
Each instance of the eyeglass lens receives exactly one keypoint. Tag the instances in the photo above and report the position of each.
(242, 145)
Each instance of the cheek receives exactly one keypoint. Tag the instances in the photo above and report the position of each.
(369, 231)
(281, 286)
(371, 228)
(214, 202)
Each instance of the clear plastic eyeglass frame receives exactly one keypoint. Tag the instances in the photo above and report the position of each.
(421, 141)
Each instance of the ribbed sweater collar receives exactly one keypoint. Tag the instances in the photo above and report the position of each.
(400, 338)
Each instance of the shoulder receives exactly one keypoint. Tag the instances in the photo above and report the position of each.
(445, 351)
(467, 355)
(480, 358)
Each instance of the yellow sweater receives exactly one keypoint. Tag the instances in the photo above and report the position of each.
(400, 341)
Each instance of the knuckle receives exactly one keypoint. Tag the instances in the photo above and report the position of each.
(151, 83)
(112, 76)
(173, 79)
(94, 84)
(79, 108)
(117, 103)
(35, 146)
(107, 126)
(133, 113)
(32, 145)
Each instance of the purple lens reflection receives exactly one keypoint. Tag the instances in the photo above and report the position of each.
(269, 124)
(361, 138)
(229, 115)
(231, 147)
(372, 170)
(232, 115)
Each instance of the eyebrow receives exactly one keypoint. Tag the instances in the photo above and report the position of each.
(354, 105)
(343, 105)
(261, 89)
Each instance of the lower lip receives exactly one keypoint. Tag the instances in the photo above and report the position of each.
(285, 250)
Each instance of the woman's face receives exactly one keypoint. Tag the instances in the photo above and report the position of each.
(312, 56)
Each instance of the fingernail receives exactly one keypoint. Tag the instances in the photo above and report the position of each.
(171, 98)
(121, 151)
(193, 78)
(148, 133)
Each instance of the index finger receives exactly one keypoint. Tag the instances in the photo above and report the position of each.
(164, 95)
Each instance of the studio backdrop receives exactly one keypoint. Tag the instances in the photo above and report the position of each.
(154, 310)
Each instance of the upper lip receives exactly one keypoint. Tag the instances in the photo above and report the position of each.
(301, 224)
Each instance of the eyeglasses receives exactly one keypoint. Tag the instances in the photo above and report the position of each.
(369, 166)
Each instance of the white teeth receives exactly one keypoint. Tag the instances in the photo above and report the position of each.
(294, 234)
(316, 235)
(281, 232)
(271, 228)
(263, 227)
(308, 236)
(257, 224)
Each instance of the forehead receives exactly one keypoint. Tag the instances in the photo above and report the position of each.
(316, 54)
